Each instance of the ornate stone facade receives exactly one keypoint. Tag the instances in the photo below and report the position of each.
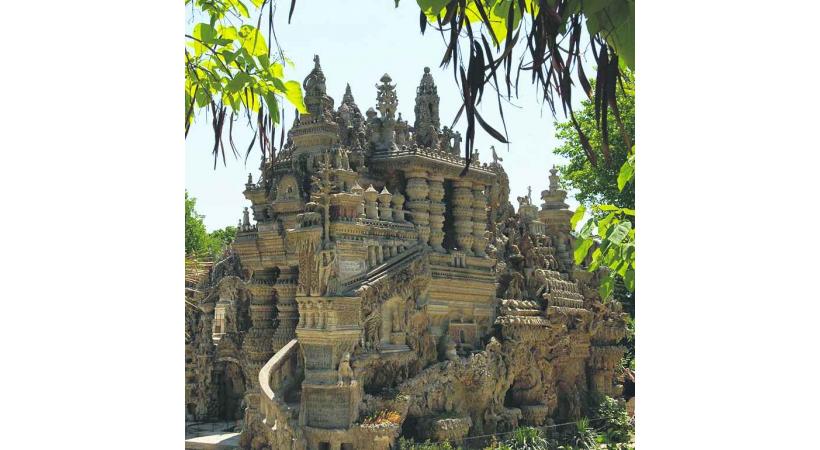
(424, 299)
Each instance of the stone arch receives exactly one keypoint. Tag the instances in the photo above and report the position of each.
(287, 188)
(392, 319)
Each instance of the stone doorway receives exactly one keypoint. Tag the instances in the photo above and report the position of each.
(231, 392)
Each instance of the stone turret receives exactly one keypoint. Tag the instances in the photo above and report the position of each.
(556, 215)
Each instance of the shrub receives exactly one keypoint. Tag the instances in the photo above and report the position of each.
(615, 422)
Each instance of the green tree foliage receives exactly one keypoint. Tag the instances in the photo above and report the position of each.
(606, 191)
(229, 66)
(599, 184)
(198, 242)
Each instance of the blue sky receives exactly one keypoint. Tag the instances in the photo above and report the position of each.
(357, 45)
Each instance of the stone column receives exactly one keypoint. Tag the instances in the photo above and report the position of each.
(417, 190)
(479, 220)
(463, 215)
(437, 212)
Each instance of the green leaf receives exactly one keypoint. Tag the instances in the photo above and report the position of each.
(204, 32)
(579, 214)
(273, 106)
(596, 260)
(626, 173)
(629, 280)
(586, 230)
(253, 41)
(432, 7)
(240, 7)
(294, 95)
(238, 83)
(582, 247)
(620, 231)
(606, 287)
(277, 70)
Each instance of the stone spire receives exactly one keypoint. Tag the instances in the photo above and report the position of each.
(427, 122)
(316, 99)
(314, 83)
(347, 99)
(386, 98)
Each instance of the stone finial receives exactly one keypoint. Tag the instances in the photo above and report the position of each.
(370, 194)
(357, 189)
(348, 97)
(250, 179)
(386, 97)
(385, 194)
(315, 81)
(385, 212)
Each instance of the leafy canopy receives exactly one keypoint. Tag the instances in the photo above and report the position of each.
(548, 37)
(229, 66)
(198, 242)
(601, 183)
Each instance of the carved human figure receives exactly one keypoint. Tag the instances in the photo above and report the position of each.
(515, 290)
(446, 138)
(372, 329)
(345, 372)
(457, 144)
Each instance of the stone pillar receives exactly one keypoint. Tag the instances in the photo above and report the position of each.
(417, 190)
(385, 212)
(463, 215)
(437, 213)
(287, 312)
(479, 220)
(371, 207)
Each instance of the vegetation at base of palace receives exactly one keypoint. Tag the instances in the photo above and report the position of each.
(610, 427)
(230, 67)
(198, 242)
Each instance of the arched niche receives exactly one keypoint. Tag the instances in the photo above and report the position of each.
(287, 189)
(393, 321)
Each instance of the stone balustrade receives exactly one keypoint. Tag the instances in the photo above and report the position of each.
(275, 377)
